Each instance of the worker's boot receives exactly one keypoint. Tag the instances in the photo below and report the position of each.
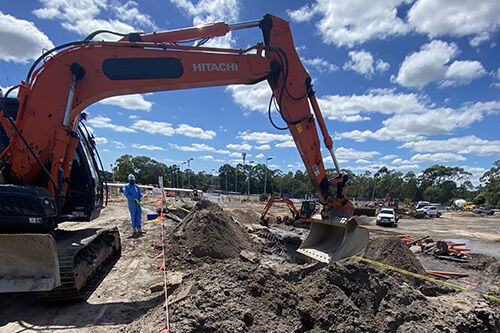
(139, 231)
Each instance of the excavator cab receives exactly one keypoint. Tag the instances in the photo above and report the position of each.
(307, 209)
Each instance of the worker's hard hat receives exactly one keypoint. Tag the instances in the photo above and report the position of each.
(131, 177)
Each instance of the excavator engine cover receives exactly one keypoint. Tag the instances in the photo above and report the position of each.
(332, 238)
(28, 262)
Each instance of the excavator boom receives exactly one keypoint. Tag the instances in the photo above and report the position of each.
(42, 132)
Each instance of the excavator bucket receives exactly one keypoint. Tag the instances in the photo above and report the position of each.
(28, 262)
(333, 239)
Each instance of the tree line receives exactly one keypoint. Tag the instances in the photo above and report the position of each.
(437, 183)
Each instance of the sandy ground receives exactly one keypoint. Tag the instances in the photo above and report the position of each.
(122, 297)
(123, 301)
(480, 233)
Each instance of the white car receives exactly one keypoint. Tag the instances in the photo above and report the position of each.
(387, 216)
(431, 211)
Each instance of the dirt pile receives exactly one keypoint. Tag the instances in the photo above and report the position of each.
(232, 296)
(223, 293)
(207, 231)
(393, 251)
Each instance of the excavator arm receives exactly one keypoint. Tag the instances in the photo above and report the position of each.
(76, 75)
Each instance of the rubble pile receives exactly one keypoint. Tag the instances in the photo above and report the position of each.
(224, 291)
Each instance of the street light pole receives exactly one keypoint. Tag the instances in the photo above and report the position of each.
(189, 171)
(265, 175)
(182, 178)
(112, 172)
(249, 175)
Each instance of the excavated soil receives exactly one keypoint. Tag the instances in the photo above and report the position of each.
(224, 293)
(206, 232)
(224, 277)
(393, 251)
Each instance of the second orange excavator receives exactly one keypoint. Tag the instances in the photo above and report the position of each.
(307, 209)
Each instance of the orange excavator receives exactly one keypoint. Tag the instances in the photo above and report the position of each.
(307, 209)
(50, 168)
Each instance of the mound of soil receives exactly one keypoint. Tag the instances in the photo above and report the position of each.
(232, 296)
(207, 231)
(393, 251)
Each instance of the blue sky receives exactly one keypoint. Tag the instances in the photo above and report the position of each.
(405, 84)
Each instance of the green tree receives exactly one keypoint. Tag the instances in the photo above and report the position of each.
(491, 189)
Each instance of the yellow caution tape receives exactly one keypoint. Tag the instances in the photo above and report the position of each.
(176, 206)
(420, 276)
(153, 220)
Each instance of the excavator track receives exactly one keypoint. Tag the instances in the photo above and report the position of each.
(83, 264)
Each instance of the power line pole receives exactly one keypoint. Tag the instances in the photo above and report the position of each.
(189, 171)
(265, 176)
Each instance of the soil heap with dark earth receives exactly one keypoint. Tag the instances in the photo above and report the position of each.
(207, 231)
(220, 292)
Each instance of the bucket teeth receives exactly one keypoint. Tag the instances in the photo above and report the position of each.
(333, 239)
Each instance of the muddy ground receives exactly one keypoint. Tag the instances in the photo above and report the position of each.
(271, 290)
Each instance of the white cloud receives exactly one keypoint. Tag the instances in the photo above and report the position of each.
(133, 117)
(479, 39)
(260, 155)
(146, 147)
(100, 140)
(263, 147)
(104, 122)
(381, 65)
(129, 13)
(285, 144)
(252, 97)
(20, 40)
(413, 126)
(463, 72)
(263, 137)
(353, 154)
(362, 161)
(385, 101)
(426, 65)
(437, 157)
(388, 157)
(129, 102)
(211, 158)
(119, 145)
(208, 11)
(154, 127)
(407, 167)
(235, 154)
(243, 146)
(82, 16)
(455, 18)
(193, 147)
(86, 26)
(362, 62)
(345, 23)
(195, 132)
(430, 65)
(320, 64)
(462, 145)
